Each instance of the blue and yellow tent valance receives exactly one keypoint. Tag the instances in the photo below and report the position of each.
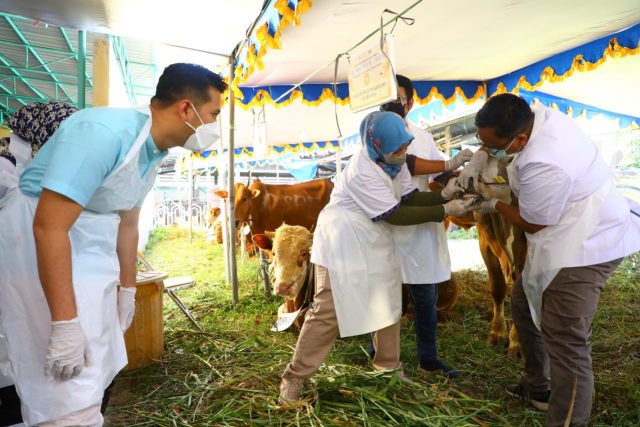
(576, 109)
(278, 15)
(274, 151)
(447, 91)
(559, 67)
(310, 94)
(313, 94)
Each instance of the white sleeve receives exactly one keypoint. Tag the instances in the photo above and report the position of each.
(434, 153)
(406, 183)
(423, 145)
(544, 191)
(370, 193)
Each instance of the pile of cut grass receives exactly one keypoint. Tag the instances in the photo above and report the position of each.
(230, 375)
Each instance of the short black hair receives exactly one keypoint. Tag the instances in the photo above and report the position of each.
(406, 84)
(181, 80)
(507, 114)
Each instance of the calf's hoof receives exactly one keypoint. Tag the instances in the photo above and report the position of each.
(496, 338)
(514, 350)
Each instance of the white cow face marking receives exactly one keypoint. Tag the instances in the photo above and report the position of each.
(291, 256)
(495, 171)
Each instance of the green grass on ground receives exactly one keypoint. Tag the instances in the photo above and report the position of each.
(230, 375)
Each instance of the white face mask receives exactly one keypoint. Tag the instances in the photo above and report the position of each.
(204, 136)
(392, 160)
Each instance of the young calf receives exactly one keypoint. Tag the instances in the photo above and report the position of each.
(290, 247)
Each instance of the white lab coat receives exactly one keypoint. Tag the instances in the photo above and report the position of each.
(423, 250)
(359, 253)
(562, 182)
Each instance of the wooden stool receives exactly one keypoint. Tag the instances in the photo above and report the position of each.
(145, 337)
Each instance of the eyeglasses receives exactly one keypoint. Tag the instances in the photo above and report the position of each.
(494, 150)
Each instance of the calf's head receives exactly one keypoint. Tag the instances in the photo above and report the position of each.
(291, 251)
(494, 180)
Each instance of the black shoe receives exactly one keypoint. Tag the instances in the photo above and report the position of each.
(436, 366)
(539, 400)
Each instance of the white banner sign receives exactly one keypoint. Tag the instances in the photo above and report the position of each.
(370, 75)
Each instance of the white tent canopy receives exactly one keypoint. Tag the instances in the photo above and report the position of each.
(450, 40)
(208, 25)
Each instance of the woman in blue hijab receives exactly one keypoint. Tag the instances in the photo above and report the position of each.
(358, 278)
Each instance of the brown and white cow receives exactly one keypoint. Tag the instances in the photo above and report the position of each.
(502, 245)
(267, 206)
(290, 247)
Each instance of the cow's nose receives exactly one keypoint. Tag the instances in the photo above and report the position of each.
(283, 289)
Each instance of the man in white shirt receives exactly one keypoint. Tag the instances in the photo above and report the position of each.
(423, 247)
(578, 228)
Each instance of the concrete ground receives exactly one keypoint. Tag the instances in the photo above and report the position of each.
(465, 254)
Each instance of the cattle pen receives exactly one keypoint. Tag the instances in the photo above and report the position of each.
(229, 375)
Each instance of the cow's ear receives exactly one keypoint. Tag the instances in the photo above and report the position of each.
(221, 193)
(255, 193)
(263, 242)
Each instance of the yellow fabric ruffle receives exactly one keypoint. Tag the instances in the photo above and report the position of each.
(263, 97)
(254, 55)
(613, 50)
(247, 154)
(435, 94)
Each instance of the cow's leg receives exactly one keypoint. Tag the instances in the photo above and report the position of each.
(407, 303)
(498, 287)
(514, 343)
(448, 293)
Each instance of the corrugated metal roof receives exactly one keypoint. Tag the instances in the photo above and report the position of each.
(39, 62)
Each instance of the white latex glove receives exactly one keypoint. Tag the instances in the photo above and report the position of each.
(485, 206)
(68, 352)
(459, 207)
(458, 160)
(469, 176)
(126, 306)
(451, 189)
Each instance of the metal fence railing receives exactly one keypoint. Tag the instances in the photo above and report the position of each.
(176, 212)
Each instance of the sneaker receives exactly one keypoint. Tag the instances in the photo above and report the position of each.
(438, 367)
(290, 390)
(539, 400)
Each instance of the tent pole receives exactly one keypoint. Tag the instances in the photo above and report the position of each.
(232, 215)
(339, 158)
(190, 179)
(82, 63)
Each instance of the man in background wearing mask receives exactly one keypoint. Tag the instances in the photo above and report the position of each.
(423, 247)
(578, 228)
(70, 231)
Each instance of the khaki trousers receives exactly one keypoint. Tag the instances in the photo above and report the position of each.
(559, 356)
(320, 330)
